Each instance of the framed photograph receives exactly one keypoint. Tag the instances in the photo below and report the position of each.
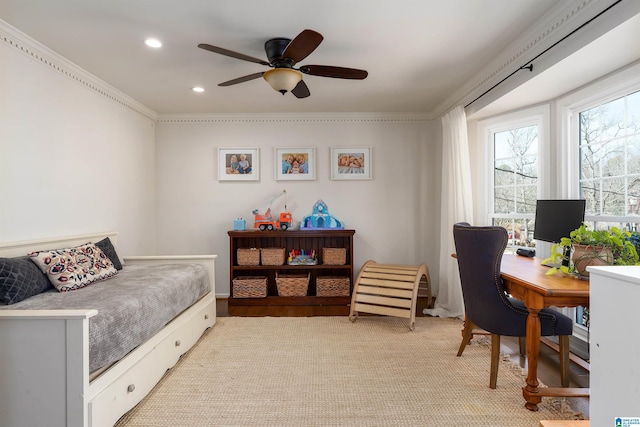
(295, 164)
(238, 164)
(351, 163)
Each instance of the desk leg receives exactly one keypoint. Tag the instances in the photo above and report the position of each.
(530, 391)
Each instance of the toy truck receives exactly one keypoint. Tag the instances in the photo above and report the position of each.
(267, 222)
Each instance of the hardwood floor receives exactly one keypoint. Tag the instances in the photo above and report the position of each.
(548, 363)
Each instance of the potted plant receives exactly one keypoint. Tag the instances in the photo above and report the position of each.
(594, 247)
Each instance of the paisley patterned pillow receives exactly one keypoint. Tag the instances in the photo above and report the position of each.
(74, 268)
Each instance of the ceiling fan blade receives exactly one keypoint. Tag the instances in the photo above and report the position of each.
(300, 47)
(232, 54)
(242, 79)
(301, 90)
(335, 72)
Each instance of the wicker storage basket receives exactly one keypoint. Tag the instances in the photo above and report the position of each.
(292, 285)
(250, 287)
(332, 286)
(334, 256)
(248, 256)
(272, 256)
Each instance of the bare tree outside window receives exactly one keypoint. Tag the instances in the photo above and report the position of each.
(610, 163)
(515, 182)
(610, 168)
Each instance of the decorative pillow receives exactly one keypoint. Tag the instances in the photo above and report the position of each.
(20, 278)
(107, 247)
(74, 268)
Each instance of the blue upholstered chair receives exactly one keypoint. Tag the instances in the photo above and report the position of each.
(479, 252)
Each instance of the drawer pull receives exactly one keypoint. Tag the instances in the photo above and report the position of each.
(131, 388)
(206, 317)
(178, 343)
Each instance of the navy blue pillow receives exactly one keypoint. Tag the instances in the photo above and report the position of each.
(21, 278)
(106, 246)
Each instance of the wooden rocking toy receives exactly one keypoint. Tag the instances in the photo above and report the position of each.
(389, 290)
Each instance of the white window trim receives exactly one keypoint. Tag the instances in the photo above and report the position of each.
(538, 115)
(608, 88)
(613, 86)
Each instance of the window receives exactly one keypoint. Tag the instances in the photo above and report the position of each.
(609, 168)
(609, 141)
(515, 149)
(515, 182)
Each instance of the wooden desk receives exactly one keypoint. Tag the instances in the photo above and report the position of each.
(525, 279)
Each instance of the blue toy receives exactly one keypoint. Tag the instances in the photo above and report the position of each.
(320, 218)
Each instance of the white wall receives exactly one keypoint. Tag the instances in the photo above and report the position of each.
(78, 156)
(395, 214)
(73, 158)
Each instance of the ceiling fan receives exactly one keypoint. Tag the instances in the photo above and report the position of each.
(283, 54)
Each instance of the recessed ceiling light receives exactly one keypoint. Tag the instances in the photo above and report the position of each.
(153, 43)
(197, 89)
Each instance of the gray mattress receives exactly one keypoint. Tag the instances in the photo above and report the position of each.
(132, 306)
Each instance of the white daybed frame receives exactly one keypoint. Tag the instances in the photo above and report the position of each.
(44, 354)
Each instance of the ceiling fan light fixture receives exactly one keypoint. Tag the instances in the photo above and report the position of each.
(151, 42)
(283, 80)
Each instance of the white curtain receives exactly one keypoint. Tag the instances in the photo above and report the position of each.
(456, 206)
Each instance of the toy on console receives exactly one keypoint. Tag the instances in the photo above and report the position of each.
(265, 221)
(302, 257)
(320, 218)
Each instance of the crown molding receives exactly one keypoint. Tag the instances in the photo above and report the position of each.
(293, 117)
(556, 24)
(21, 42)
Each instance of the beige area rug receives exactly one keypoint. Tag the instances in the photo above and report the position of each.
(327, 371)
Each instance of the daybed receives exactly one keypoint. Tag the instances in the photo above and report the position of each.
(51, 373)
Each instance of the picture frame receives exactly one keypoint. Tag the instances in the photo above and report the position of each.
(295, 164)
(230, 164)
(351, 163)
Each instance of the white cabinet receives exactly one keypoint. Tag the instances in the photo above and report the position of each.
(615, 348)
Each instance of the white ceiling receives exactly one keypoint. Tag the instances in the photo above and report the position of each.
(417, 52)
(612, 51)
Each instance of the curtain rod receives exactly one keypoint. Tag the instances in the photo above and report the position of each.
(529, 66)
